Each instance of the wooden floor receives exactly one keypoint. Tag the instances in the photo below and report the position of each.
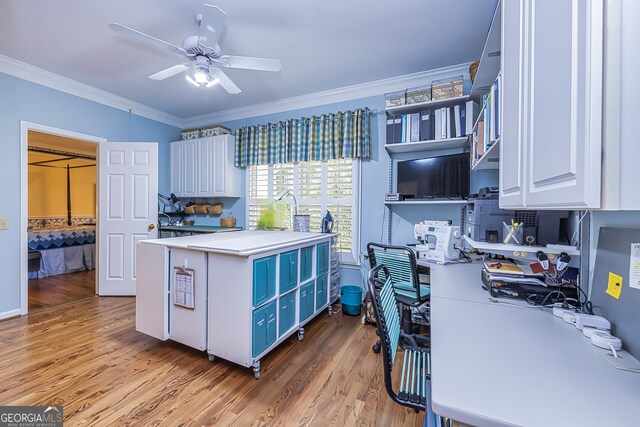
(88, 357)
(62, 289)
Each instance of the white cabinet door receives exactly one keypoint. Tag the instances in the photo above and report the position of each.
(226, 177)
(176, 176)
(563, 129)
(512, 132)
(190, 154)
(205, 166)
(152, 290)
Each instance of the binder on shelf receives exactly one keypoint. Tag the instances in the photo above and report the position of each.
(425, 125)
(403, 137)
(438, 124)
(397, 129)
(390, 130)
(407, 135)
(415, 127)
(463, 119)
(487, 122)
(456, 121)
(444, 117)
(472, 110)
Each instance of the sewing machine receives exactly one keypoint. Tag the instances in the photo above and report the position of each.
(447, 239)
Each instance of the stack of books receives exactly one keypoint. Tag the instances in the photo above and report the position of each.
(487, 130)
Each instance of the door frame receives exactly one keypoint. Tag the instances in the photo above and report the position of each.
(25, 127)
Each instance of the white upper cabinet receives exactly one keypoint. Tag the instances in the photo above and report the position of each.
(512, 101)
(204, 168)
(552, 128)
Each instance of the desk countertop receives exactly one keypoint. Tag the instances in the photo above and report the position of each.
(497, 364)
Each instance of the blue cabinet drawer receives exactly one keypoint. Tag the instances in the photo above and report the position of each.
(306, 301)
(322, 258)
(263, 328)
(264, 279)
(288, 271)
(287, 312)
(306, 263)
(321, 291)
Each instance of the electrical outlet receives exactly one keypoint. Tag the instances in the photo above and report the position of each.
(4, 223)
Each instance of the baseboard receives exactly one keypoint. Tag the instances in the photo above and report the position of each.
(9, 314)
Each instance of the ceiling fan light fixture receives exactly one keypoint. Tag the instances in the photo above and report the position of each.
(201, 75)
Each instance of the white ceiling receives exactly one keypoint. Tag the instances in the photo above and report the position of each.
(323, 45)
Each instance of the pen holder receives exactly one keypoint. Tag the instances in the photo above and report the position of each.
(512, 234)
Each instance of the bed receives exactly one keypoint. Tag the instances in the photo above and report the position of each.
(63, 249)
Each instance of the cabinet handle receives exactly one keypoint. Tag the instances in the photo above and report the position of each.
(260, 322)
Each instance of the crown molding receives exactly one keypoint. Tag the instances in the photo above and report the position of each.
(42, 77)
(346, 93)
(46, 78)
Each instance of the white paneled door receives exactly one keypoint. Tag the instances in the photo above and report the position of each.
(128, 211)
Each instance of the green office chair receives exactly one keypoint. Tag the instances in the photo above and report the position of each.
(415, 387)
(402, 265)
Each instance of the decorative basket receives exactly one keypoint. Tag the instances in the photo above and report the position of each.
(201, 209)
(214, 209)
(228, 221)
(473, 69)
(214, 130)
(190, 210)
(190, 134)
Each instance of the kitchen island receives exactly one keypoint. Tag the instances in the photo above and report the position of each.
(236, 295)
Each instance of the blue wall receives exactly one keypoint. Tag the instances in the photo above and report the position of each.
(23, 100)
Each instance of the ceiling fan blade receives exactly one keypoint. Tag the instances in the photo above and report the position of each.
(145, 38)
(171, 71)
(211, 26)
(250, 63)
(224, 81)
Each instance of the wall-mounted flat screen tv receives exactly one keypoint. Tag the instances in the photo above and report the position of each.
(445, 177)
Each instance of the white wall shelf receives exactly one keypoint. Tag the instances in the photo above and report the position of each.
(424, 105)
(428, 202)
(434, 144)
(490, 159)
(489, 61)
(522, 251)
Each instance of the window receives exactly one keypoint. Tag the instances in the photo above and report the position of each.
(318, 187)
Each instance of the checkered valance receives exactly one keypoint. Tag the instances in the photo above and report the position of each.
(329, 136)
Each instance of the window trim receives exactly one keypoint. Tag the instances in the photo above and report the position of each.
(345, 258)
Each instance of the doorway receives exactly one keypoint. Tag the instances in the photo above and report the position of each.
(58, 216)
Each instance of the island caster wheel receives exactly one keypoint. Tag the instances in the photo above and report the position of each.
(376, 347)
(301, 334)
(330, 311)
(211, 357)
(256, 370)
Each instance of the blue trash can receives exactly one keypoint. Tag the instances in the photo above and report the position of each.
(351, 299)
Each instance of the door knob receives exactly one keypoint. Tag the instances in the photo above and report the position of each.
(151, 226)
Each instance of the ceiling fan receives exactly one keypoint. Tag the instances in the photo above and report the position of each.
(202, 51)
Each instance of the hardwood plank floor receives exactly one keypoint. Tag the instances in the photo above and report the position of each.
(88, 357)
(62, 289)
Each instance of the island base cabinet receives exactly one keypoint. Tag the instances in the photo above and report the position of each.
(188, 297)
(255, 302)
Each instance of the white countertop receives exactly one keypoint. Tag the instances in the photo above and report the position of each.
(241, 243)
(497, 364)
